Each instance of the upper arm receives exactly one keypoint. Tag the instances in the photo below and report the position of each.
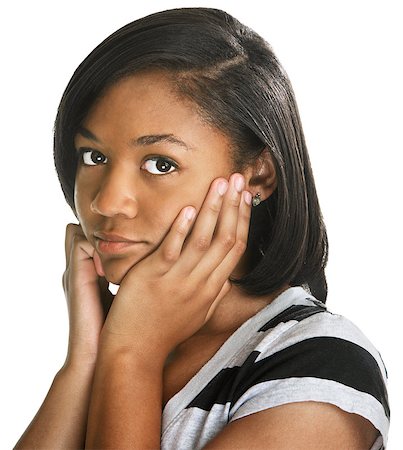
(302, 425)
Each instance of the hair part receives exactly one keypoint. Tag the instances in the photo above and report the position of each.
(239, 86)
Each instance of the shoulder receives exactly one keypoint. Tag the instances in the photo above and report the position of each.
(304, 353)
(312, 327)
(305, 326)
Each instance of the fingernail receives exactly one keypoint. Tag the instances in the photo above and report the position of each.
(239, 184)
(189, 213)
(247, 196)
(222, 187)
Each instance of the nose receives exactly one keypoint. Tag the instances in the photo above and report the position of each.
(116, 195)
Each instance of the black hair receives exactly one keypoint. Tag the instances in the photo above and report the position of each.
(238, 84)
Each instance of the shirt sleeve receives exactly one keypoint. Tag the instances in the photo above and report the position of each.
(321, 368)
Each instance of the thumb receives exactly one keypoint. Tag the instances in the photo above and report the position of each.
(98, 265)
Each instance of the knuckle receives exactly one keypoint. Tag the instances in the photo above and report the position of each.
(182, 230)
(72, 228)
(189, 293)
(202, 243)
(169, 255)
(214, 207)
(228, 241)
(186, 291)
(69, 227)
(234, 201)
(240, 247)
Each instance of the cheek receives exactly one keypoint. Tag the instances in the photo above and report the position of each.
(195, 192)
(168, 205)
(81, 208)
(82, 202)
(161, 214)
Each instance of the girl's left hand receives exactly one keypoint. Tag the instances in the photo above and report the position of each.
(172, 293)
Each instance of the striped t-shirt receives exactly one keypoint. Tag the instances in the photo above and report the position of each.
(292, 350)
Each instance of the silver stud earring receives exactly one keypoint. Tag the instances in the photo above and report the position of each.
(256, 199)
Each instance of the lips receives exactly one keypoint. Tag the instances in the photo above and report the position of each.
(111, 243)
(112, 237)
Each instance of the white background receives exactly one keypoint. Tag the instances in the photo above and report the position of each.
(344, 60)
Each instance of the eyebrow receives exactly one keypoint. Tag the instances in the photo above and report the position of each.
(157, 138)
(87, 134)
(141, 141)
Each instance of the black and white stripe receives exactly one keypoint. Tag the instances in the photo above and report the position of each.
(292, 350)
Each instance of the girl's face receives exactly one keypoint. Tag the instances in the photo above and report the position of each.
(144, 155)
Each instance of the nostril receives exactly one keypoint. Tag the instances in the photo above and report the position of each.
(112, 206)
(101, 208)
(115, 195)
(93, 207)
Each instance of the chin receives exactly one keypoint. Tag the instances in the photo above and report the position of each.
(117, 268)
(115, 272)
(113, 280)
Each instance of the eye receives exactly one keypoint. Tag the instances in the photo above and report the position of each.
(158, 165)
(92, 157)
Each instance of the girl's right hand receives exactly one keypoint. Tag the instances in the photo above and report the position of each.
(87, 295)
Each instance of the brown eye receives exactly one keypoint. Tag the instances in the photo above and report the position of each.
(92, 157)
(159, 166)
(163, 166)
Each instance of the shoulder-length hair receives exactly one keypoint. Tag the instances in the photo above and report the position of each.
(239, 86)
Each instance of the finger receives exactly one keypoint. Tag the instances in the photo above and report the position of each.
(171, 247)
(202, 233)
(206, 222)
(98, 265)
(74, 242)
(225, 231)
(220, 262)
(81, 250)
(223, 292)
(71, 230)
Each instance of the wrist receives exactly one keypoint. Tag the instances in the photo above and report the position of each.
(131, 351)
(75, 366)
(75, 378)
(81, 354)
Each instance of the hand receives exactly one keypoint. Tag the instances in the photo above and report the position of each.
(87, 295)
(172, 293)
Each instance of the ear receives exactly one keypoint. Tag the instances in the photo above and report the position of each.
(260, 176)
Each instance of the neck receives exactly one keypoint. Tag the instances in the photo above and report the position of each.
(234, 309)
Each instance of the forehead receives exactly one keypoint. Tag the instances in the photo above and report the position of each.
(149, 94)
(145, 104)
